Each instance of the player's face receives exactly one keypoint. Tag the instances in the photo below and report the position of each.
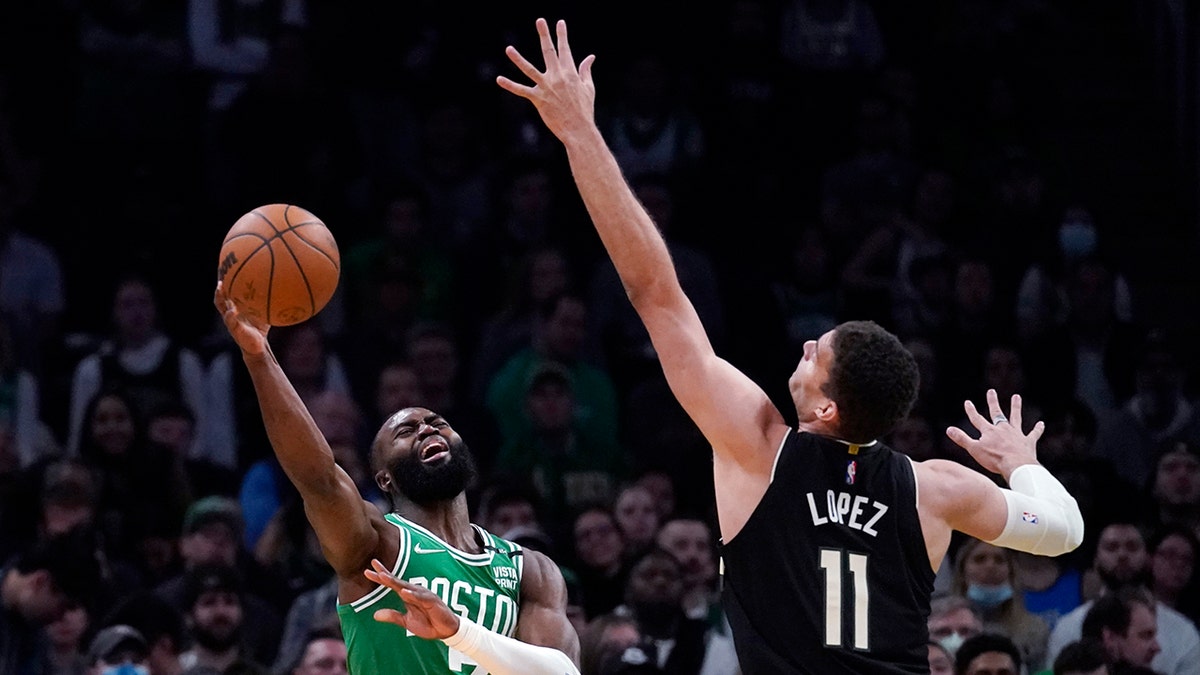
(992, 663)
(425, 459)
(810, 376)
(1140, 644)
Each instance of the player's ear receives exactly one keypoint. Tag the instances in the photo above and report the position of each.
(384, 481)
(827, 411)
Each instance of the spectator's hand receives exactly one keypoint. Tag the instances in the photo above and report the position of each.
(249, 336)
(426, 616)
(1001, 446)
(563, 95)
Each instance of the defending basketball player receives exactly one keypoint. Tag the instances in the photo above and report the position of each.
(830, 538)
(509, 603)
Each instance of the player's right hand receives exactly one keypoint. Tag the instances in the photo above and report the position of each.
(249, 336)
(426, 616)
(1001, 446)
(564, 94)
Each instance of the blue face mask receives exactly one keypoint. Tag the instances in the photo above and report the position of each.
(989, 597)
(1076, 239)
(126, 669)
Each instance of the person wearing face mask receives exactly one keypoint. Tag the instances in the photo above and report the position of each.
(952, 620)
(986, 576)
(1042, 298)
(118, 650)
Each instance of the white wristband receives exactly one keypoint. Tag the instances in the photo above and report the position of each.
(1043, 517)
(501, 655)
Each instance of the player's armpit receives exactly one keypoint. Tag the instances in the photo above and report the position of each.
(345, 530)
(543, 615)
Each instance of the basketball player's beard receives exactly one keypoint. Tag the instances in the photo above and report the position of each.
(424, 484)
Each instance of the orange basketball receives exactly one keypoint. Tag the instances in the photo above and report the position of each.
(279, 264)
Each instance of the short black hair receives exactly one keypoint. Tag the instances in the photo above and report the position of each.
(1114, 611)
(211, 577)
(984, 643)
(873, 380)
(1081, 656)
(152, 615)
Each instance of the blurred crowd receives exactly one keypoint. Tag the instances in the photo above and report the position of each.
(808, 161)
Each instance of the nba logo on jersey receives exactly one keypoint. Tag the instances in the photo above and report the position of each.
(851, 469)
(1029, 517)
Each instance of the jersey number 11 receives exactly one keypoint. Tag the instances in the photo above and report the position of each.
(836, 563)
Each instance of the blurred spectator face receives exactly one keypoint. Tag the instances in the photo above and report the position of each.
(170, 431)
(662, 488)
(992, 663)
(134, 311)
(62, 517)
(636, 516)
(1066, 437)
(940, 661)
(66, 632)
(690, 541)
(530, 194)
(656, 580)
(913, 436)
(1172, 564)
(214, 542)
(398, 389)
(934, 199)
(435, 359)
(551, 406)
(510, 515)
(303, 355)
(216, 620)
(1120, 554)
(547, 275)
(987, 565)
(111, 426)
(1177, 480)
(961, 621)
(325, 656)
(1159, 382)
(1076, 234)
(597, 540)
(810, 260)
(973, 287)
(1004, 371)
(40, 601)
(565, 329)
(402, 219)
(1091, 293)
(1139, 644)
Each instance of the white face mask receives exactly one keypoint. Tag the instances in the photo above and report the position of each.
(126, 669)
(952, 642)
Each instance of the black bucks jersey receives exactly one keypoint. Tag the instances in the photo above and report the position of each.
(830, 574)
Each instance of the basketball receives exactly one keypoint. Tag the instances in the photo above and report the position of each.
(279, 264)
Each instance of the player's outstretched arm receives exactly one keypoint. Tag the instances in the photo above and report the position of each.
(1035, 514)
(339, 515)
(547, 645)
(733, 413)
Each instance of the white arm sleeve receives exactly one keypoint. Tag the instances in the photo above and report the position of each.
(501, 655)
(1043, 517)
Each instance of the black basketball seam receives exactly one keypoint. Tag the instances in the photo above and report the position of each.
(318, 249)
(312, 303)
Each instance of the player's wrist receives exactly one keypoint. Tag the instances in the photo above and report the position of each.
(462, 631)
(1008, 468)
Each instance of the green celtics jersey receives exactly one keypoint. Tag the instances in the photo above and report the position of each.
(483, 587)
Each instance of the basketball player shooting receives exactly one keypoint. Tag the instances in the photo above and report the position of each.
(830, 538)
(411, 565)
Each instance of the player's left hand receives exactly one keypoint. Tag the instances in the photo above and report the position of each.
(426, 616)
(1002, 446)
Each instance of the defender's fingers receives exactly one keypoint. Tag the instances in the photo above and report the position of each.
(564, 47)
(508, 85)
(549, 55)
(1038, 430)
(961, 438)
(585, 68)
(993, 403)
(391, 616)
(523, 64)
(1014, 411)
(973, 415)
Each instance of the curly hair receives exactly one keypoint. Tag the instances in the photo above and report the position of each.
(873, 380)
